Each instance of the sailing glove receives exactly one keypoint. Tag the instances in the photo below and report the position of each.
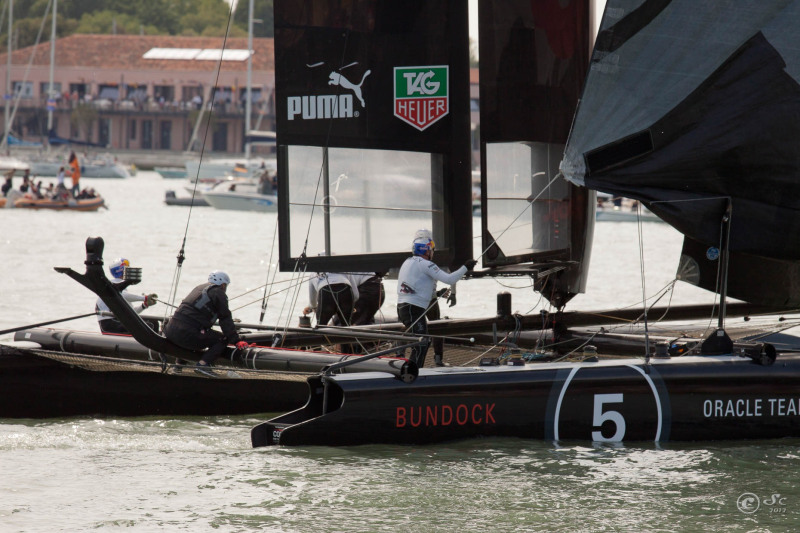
(150, 300)
(452, 299)
(241, 345)
(441, 292)
(470, 264)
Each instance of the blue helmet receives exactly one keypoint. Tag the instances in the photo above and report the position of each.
(117, 268)
(421, 246)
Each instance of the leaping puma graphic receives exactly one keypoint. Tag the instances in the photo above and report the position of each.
(338, 79)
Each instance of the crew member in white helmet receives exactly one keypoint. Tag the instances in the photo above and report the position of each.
(416, 286)
(109, 323)
(190, 326)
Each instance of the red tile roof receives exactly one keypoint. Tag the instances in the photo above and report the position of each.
(126, 51)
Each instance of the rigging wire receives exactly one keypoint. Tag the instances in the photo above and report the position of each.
(17, 99)
(265, 298)
(530, 202)
(644, 291)
(182, 252)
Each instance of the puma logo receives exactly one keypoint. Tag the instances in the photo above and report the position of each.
(338, 79)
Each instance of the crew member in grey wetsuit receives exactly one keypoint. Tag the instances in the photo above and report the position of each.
(190, 326)
(416, 284)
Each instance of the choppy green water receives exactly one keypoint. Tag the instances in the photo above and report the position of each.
(201, 474)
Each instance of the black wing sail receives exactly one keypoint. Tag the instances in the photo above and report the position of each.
(372, 106)
(700, 105)
(533, 62)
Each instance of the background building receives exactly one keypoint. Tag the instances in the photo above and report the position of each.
(139, 92)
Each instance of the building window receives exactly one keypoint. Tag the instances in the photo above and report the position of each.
(109, 92)
(165, 140)
(136, 93)
(147, 134)
(132, 133)
(220, 139)
(56, 94)
(23, 89)
(164, 94)
(104, 131)
(193, 95)
(77, 90)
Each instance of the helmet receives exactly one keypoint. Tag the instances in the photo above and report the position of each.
(421, 246)
(423, 234)
(218, 277)
(117, 268)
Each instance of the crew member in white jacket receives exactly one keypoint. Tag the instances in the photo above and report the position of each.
(416, 285)
(331, 293)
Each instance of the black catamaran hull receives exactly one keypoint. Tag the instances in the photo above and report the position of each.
(39, 387)
(679, 399)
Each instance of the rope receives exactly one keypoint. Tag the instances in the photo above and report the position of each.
(13, 330)
(181, 254)
(641, 270)
(13, 113)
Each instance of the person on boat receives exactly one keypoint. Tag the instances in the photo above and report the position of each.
(416, 285)
(36, 189)
(371, 296)
(8, 185)
(329, 294)
(61, 189)
(190, 326)
(26, 183)
(109, 324)
(434, 312)
(74, 173)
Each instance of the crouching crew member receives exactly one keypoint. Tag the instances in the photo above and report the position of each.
(190, 326)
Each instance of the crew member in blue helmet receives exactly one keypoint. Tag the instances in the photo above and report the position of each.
(416, 284)
(190, 326)
(107, 322)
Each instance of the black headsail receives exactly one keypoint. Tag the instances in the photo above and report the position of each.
(372, 105)
(533, 62)
(692, 107)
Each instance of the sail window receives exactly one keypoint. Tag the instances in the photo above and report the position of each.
(527, 206)
(619, 152)
(346, 201)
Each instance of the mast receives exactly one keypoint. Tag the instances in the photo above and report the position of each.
(50, 98)
(249, 104)
(8, 74)
(719, 342)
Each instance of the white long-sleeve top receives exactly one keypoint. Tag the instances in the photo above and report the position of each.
(416, 282)
(327, 278)
(129, 296)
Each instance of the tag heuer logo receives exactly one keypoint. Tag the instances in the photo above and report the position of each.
(421, 94)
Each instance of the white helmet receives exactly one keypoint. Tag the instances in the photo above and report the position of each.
(423, 234)
(218, 277)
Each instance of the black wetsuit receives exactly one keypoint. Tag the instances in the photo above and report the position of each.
(190, 327)
(335, 299)
(370, 299)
